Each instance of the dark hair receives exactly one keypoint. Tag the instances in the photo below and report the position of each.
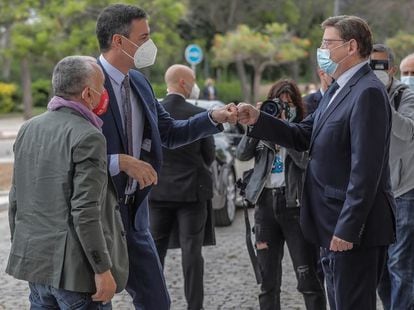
(116, 19)
(352, 27)
(289, 87)
(382, 48)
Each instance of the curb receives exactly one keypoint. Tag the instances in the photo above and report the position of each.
(8, 135)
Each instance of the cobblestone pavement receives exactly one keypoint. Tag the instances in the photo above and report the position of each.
(229, 280)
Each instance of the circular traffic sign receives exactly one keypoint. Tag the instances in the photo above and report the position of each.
(193, 54)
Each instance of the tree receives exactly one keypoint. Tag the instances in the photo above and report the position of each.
(273, 46)
(402, 44)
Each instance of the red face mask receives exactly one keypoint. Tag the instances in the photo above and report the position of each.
(103, 104)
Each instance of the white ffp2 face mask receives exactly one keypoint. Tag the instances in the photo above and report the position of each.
(144, 55)
(383, 76)
(195, 92)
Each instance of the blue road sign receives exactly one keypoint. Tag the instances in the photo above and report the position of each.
(193, 54)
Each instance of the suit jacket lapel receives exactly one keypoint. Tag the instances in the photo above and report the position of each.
(343, 93)
(114, 108)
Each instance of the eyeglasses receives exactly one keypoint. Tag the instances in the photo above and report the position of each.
(328, 42)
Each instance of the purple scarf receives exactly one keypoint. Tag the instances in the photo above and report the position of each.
(58, 102)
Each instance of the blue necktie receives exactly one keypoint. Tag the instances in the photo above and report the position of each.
(323, 104)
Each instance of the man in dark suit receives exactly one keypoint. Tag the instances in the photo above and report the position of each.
(312, 100)
(135, 127)
(347, 205)
(184, 187)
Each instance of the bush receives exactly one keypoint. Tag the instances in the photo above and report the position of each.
(41, 90)
(229, 91)
(160, 90)
(7, 96)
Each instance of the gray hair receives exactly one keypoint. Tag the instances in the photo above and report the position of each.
(72, 74)
(382, 48)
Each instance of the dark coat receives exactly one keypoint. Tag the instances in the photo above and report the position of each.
(347, 189)
(185, 174)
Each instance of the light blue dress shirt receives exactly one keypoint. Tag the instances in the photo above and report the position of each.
(138, 119)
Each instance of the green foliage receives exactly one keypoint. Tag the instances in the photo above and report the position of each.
(229, 91)
(273, 45)
(402, 44)
(41, 90)
(7, 94)
(160, 90)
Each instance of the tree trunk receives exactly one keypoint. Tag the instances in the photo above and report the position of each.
(5, 44)
(27, 87)
(257, 78)
(241, 71)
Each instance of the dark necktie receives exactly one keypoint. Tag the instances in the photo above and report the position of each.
(126, 105)
(323, 104)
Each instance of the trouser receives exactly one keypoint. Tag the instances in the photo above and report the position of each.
(146, 283)
(47, 297)
(352, 277)
(191, 219)
(275, 224)
(396, 288)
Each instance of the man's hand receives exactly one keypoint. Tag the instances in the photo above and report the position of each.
(247, 114)
(227, 114)
(338, 244)
(139, 170)
(105, 287)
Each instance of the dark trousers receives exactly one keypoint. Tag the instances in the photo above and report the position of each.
(352, 277)
(275, 224)
(191, 219)
(146, 283)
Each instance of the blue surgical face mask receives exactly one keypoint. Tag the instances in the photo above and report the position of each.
(408, 80)
(323, 56)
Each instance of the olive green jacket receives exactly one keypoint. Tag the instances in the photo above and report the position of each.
(64, 219)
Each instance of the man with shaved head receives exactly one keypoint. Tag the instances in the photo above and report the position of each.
(407, 71)
(180, 200)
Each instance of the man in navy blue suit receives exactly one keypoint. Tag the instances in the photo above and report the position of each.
(347, 205)
(136, 126)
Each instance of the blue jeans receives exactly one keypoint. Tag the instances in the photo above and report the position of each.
(48, 297)
(396, 288)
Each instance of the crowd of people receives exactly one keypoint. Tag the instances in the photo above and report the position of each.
(109, 178)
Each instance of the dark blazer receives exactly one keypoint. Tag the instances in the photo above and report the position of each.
(159, 127)
(312, 101)
(347, 189)
(185, 174)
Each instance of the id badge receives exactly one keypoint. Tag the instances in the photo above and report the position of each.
(146, 145)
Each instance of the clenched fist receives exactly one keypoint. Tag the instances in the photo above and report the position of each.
(247, 114)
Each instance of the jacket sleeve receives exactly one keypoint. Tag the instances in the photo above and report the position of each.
(175, 133)
(89, 186)
(290, 135)
(208, 150)
(246, 148)
(403, 119)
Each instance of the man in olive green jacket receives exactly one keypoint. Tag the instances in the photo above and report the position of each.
(67, 234)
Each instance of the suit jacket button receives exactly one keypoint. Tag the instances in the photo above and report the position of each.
(117, 207)
(310, 158)
(123, 233)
